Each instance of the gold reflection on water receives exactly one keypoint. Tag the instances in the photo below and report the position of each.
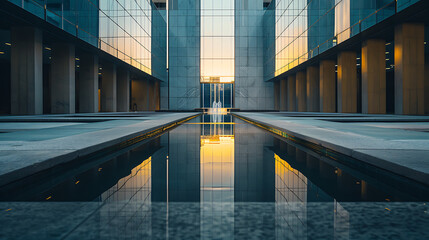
(213, 123)
(136, 186)
(291, 185)
(217, 167)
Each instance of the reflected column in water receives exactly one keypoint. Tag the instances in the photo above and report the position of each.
(159, 171)
(184, 164)
(254, 176)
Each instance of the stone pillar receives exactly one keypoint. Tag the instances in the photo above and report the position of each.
(108, 88)
(88, 84)
(291, 86)
(123, 98)
(409, 69)
(347, 82)
(427, 86)
(374, 76)
(152, 101)
(277, 95)
(63, 88)
(139, 95)
(301, 91)
(157, 95)
(327, 86)
(26, 71)
(283, 95)
(313, 89)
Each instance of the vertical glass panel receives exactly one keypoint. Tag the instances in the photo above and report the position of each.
(217, 41)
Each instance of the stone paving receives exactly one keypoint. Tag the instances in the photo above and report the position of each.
(208, 220)
(29, 144)
(399, 144)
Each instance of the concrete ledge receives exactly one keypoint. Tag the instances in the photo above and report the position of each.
(404, 153)
(19, 159)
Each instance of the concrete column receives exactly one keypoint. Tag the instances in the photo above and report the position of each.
(108, 88)
(313, 89)
(157, 95)
(88, 84)
(26, 71)
(152, 100)
(63, 93)
(327, 86)
(301, 91)
(347, 82)
(427, 86)
(277, 95)
(291, 86)
(123, 85)
(139, 95)
(283, 95)
(374, 76)
(409, 69)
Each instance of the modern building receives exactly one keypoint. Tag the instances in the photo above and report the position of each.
(351, 56)
(67, 56)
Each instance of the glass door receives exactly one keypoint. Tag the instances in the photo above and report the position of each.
(217, 95)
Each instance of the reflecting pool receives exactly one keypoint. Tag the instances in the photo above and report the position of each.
(219, 177)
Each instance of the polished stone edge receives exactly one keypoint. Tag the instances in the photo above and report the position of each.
(359, 155)
(68, 156)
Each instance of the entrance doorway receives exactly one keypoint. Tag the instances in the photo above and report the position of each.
(217, 95)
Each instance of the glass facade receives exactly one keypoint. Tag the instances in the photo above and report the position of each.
(217, 41)
(217, 49)
(120, 28)
(304, 29)
(184, 54)
(217, 52)
(125, 31)
(250, 90)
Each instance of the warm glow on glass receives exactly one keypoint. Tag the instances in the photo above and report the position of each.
(127, 34)
(217, 41)
(342, 20)
(291, 35)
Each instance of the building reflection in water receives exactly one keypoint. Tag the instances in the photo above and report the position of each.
(218, 164)
(217, 160)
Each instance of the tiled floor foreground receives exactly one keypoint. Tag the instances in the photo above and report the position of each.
(399, 144)
(140, 220)
(29, 144)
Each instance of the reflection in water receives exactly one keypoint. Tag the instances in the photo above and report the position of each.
(214, 159)
(217, 164)
(136, 185)
(217, 168)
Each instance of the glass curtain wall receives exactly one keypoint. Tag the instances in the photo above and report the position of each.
(291, 34)
(306, 28)
(125, 31)
(120, 28)
(217, 52)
